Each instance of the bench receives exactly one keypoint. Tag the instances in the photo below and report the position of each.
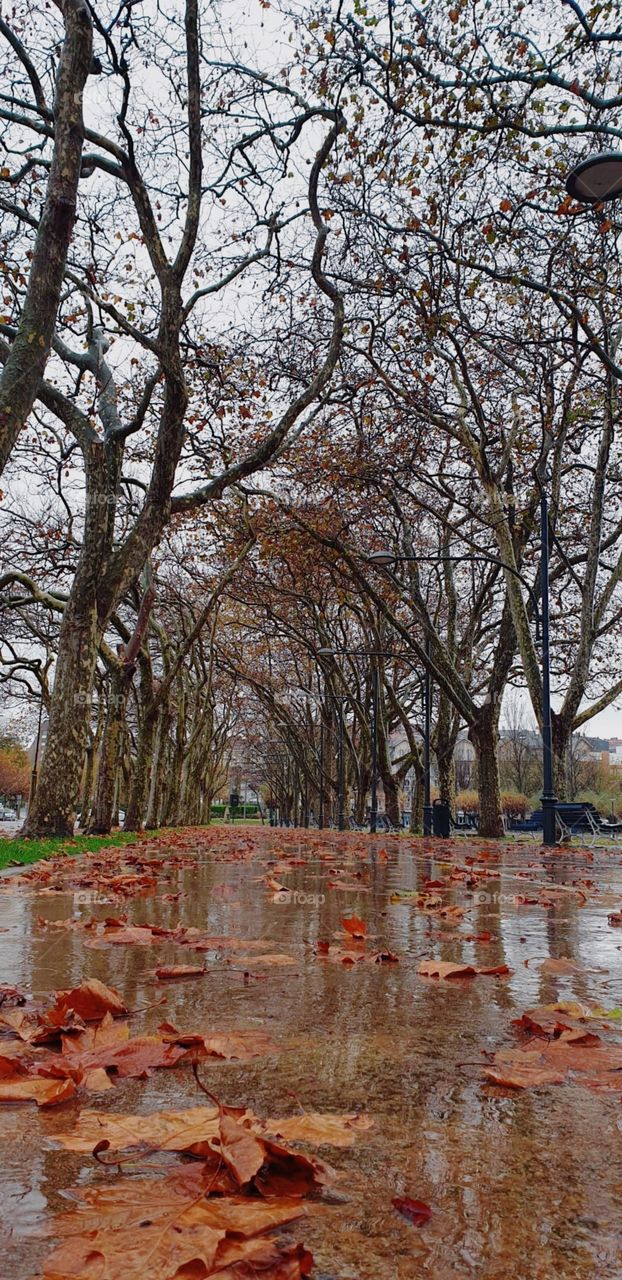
(573, 818)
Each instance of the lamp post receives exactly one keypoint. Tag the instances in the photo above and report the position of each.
(320, 820)
(549, 799)
(34, 774)
(427, 717)
(341, 812)
(384, 559)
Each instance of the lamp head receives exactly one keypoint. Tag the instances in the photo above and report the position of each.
(382, 559)
(597, 178)
(326, 652)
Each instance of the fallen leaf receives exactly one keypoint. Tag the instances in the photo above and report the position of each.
(11, 995)
(355, 927)
(91, 1001)
(241, 1151)
(562, 966)
(190, 1130)
(167, 971)
(242, 1045)
(320, 1130)
(527, 1076)
(445, 969)
(109, 1046)
(158, 1229)
(44, 1091)
(415, 1210)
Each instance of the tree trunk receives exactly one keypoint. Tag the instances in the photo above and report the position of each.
(447, 778)
(156, 803)
(53, 811)
(561, 734)
(27, 357)
(87, 786)
(391, 798)
(484, 736)
(135, 811)
(109, 755)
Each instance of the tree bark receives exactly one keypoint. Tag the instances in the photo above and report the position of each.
(53, 811)
(109, 756)
(447, 777)
(561, 727)
(135, 811)
(156, 804)
(391, 798)
(484, 736)
(29, 351)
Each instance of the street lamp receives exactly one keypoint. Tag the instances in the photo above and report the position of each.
(34, 775)
(597, 178)
(384, 558)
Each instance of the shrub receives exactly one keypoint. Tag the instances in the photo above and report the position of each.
(514, 804)
(468, 801)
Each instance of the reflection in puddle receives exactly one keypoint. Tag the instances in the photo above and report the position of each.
(523, 1185)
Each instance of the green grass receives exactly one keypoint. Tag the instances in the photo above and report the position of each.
(21, 852)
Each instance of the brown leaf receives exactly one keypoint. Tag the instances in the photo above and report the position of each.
(157, 1229)
(355, 927)
(190, 1130)
(11, 995)
(92, 1000)
(415, 1210)
(193, 1129)
(18, 1083)
(318, 1129)
(526, 1076)
(562, 966)
(242, 1153)
(242, 1045)
(445, 969)
(109, 1046)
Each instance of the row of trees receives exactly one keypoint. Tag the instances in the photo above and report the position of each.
(329, 297)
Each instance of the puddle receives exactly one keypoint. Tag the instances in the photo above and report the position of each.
(524, 1185)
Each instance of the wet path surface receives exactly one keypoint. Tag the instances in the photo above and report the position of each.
(523, 1184)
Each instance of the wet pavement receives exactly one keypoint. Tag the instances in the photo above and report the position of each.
(523, 1184)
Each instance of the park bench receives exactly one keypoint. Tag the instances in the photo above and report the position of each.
(383, 823)
(466, 826)
(573, 818)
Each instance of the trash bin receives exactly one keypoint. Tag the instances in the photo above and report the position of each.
(440, 819)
